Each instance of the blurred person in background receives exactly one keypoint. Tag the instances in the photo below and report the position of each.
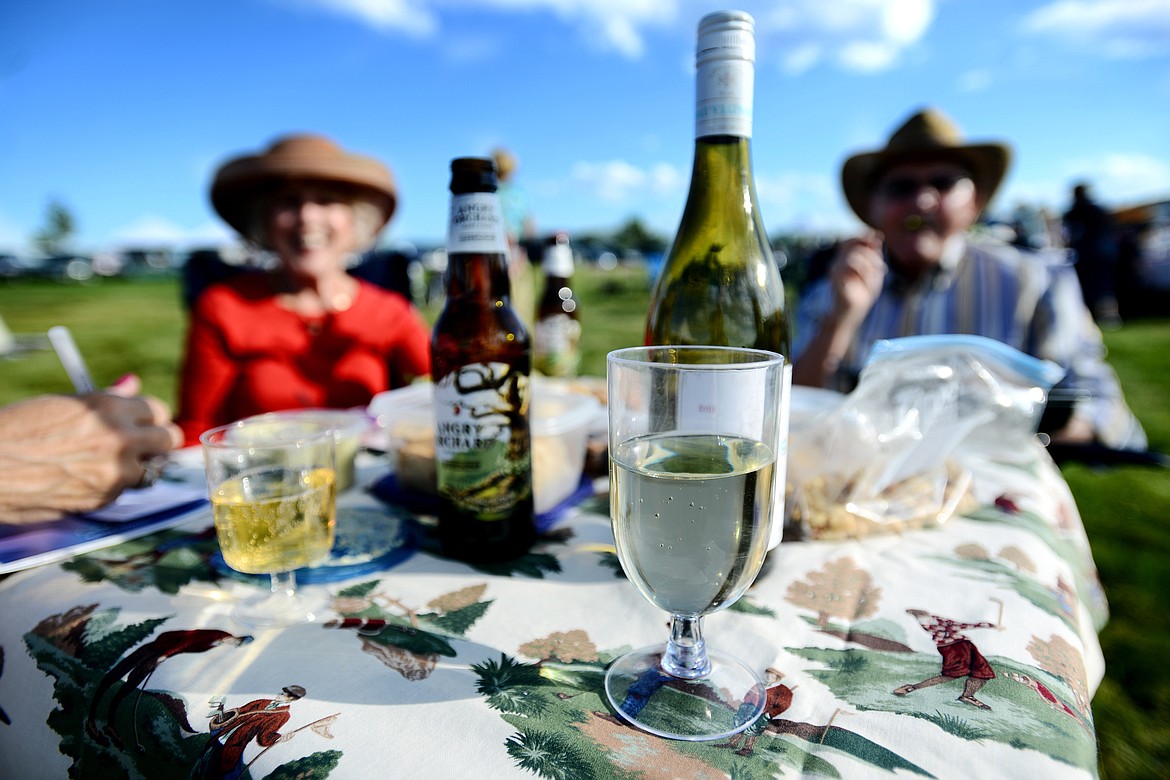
(920, 270)
(62, 454)
(520, 226)
(307, 334)
(1089, 234)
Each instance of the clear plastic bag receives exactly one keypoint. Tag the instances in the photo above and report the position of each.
(890, 456)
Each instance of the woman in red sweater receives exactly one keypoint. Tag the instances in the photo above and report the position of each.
(308, 334)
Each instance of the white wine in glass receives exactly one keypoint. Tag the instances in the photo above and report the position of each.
(692, 470)
(272, 486)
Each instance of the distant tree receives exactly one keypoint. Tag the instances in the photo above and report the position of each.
(58, 229)
(636, 236)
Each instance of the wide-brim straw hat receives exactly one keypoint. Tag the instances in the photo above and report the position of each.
(297, 157)
(927, 135)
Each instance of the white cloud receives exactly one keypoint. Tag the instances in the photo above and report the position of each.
(1123, 178)
(620, 182)
(977, 80)
(1116, 179)
(803, 202)
(152, 230)
(409, 16)
(859, 35)
(1130, 29)
(864, 36)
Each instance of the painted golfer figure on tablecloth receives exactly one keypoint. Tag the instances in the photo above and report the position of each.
(778, 699)
(259, 721)
(137, 668)
(960, 657)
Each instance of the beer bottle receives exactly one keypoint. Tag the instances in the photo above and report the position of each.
(557, 331)
(480, 363)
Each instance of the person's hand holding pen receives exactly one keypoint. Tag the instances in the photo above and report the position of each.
(63, 454)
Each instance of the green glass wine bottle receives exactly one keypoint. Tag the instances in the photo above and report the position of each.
(720, 284)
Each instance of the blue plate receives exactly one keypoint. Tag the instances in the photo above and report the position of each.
(366, 540)
(388, 490)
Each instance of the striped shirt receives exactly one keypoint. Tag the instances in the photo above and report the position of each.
(1029, 301)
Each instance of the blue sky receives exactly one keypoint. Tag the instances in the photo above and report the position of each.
(122, 109)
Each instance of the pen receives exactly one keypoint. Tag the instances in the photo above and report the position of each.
(71, 359)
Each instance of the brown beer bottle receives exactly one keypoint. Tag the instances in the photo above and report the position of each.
(557, 331)
(480, 362)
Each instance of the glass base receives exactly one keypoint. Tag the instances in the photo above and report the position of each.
(280, 607)
(724, 702)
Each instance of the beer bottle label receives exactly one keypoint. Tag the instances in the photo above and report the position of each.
(482, 446)
(476, 225)
(557, 351)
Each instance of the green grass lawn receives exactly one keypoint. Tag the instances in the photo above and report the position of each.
(136, 325)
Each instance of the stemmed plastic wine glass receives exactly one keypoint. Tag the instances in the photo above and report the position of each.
(272, 486)
(693, 438)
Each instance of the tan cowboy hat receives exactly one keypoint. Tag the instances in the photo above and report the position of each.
(928, 134)
(294, 157)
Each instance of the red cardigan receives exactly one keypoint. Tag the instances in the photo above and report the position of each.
(247, 355)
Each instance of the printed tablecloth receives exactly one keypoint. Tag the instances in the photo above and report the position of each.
(968, 650)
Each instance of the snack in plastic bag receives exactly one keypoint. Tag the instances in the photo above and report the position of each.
(889, 457)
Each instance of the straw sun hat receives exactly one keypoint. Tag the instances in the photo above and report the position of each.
(240, 181)
(927, 135)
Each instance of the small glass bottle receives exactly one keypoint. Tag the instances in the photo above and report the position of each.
(480, 363)
(558, 329)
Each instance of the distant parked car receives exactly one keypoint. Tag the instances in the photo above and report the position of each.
(10, 266)
(66, 268)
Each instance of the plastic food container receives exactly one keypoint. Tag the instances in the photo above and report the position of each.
(560, 423)
(348, 426)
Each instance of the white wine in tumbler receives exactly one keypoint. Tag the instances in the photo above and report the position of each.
(265, 524)
(691, 517)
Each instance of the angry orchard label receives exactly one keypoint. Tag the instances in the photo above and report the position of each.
(482, 440)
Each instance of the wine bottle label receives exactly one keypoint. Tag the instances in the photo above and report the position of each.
(476, 224)
(482, 445)
(723, 98)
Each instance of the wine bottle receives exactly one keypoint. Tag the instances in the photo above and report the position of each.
(720, 284)
(480, 362)
(558, 330)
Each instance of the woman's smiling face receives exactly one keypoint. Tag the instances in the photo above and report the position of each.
(313, 227)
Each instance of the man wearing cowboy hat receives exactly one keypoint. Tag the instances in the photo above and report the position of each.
(920, 271)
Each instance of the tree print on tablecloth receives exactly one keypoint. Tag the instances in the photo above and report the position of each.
(841, 590)
(1059, 658)
(566, 729)
(166, 560)
(407, 639)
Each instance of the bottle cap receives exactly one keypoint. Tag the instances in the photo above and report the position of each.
(726, 35)
(473, 174)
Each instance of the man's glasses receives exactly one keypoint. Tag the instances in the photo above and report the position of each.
(905, 187)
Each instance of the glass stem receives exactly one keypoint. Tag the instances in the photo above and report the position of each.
(686, 652)
(284, 584)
